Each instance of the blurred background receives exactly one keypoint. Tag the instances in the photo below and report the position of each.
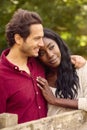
(67, 17)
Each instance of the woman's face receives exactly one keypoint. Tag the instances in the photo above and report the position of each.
(50, 54)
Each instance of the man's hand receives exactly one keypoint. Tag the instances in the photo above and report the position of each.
(78, 61)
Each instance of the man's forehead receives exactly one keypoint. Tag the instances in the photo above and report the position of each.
(36, 27)
(37, 30)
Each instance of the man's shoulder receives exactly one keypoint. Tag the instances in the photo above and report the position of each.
(36, 65)
(35, 61)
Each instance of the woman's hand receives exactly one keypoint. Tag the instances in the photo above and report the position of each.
(47, 93)
(78, 61)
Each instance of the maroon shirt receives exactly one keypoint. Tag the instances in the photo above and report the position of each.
(19, 92)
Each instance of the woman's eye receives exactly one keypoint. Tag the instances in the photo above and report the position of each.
(51, 47)
(41, 53)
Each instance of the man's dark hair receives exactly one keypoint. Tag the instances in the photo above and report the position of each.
(20, 23)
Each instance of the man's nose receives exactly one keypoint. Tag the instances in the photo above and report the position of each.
(41, 43)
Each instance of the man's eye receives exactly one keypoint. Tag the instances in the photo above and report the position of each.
(51, 47)
(36, 38)
(41, 53)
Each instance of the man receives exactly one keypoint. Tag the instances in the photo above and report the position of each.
(19, 93)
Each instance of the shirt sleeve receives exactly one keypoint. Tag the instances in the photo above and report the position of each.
(2, 97)
(82, 99)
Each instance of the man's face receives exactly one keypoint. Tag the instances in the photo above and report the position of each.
(30, 47)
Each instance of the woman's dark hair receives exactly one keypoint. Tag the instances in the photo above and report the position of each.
(67, 82)
(20, 23)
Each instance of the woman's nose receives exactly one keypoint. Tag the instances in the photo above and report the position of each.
(50, 54)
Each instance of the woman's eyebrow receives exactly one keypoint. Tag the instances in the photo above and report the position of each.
(49, 44)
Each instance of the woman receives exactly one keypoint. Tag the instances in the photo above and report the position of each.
(68, 85)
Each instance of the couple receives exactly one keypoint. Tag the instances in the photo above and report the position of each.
(22, 75)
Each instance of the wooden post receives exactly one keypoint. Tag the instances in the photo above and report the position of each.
(7, 119)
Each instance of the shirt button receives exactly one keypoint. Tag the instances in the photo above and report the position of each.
(37, 93)
(16, 67)
(39, 107)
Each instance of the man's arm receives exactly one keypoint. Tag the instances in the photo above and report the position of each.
(78, 61)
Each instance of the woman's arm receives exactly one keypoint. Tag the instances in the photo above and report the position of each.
(82, 99)
(49, 96)
(67, 103)
(81, 103)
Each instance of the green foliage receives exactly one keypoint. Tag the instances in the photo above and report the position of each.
(66, 17)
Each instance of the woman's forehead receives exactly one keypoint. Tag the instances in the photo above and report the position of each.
(47, 40)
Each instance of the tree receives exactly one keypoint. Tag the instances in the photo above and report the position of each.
(66, 17)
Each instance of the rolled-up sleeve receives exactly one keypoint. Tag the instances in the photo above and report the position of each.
(82, 104)
(2, 97)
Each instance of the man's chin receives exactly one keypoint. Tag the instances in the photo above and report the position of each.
(36, 55)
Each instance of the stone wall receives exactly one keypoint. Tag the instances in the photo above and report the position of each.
(73, 120)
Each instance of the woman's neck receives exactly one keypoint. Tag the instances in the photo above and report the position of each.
(52, 77)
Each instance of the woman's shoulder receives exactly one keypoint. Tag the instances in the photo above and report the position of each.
(82, 73)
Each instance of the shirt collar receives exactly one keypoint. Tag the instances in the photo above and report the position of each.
(5, 61)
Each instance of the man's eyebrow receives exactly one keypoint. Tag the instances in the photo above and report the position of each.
(39, 36)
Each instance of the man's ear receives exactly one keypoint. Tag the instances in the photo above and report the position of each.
(18, 39)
